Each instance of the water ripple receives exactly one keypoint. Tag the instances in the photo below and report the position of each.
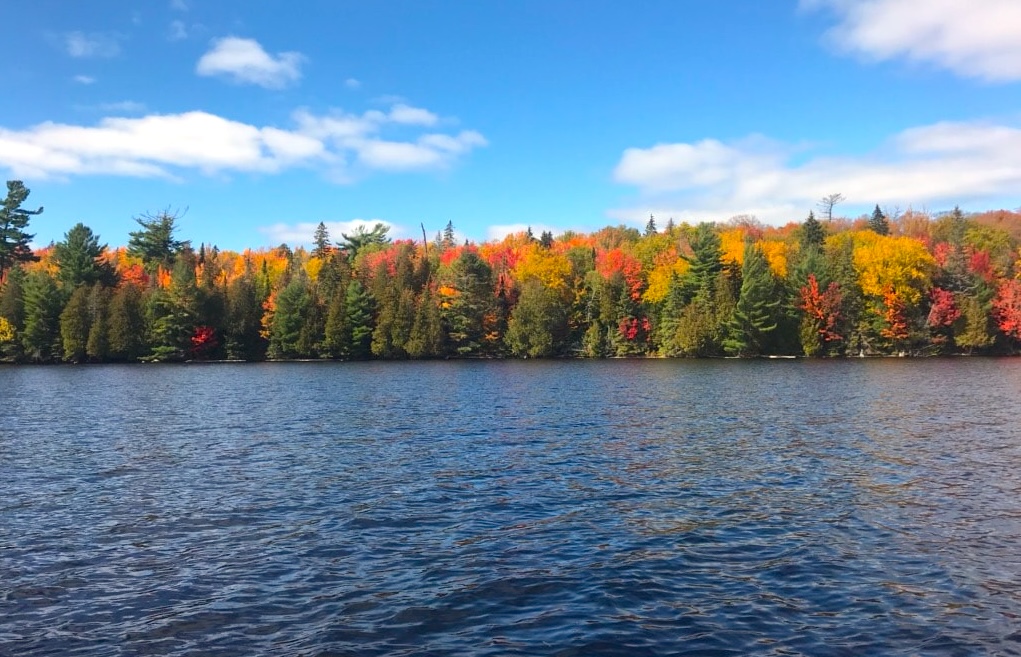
(621, 508)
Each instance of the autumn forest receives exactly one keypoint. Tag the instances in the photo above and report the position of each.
(908, 284)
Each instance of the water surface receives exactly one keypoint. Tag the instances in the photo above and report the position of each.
(512, 508)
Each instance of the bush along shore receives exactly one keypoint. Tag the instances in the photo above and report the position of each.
(911, 284)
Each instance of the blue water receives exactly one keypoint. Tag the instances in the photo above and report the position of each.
(512, 508)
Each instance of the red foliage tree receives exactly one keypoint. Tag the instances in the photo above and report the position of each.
(944, 310)
(1007, 308)
(203, 342)
(823, 308)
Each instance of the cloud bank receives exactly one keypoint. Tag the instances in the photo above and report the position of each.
(344, 147)
(972, 38)
(712, 180)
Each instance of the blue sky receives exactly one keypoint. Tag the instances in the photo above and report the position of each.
(257, 120)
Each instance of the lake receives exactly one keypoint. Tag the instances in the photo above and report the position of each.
(642, 507)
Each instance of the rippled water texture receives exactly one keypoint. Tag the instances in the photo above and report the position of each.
(512, 508)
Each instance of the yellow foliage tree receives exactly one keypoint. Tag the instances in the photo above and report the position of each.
(885, 262)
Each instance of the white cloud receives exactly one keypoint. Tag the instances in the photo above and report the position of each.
(84, 79)
(179, 5)
(177, 31)
(408, 115)
(710, 180)
(167, 145)
(81, 45)
(244, 61)
(126, 106)
(972, 38)
(301, 233)
(352, 83)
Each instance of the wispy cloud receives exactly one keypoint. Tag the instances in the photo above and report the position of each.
(713, 180)
(972, 38)
(95, 44)
(177, 31)
(244, 61)
(352, 83)
(84, 79)
(343, 147)
(179, 5)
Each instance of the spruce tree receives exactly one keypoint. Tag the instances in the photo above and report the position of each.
(755, 315)
(812, 233)
(321, 240)
(650, 227)
(79, 258)
(426, 339)
(878, 223)
(291, 305)
(538, 323)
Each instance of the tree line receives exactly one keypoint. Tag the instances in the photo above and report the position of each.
(911, 284)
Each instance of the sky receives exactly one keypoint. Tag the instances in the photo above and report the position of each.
(254, 121)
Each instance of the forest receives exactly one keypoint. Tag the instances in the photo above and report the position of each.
(911, 284)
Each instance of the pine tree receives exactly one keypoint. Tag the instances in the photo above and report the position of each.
(12, 301)
(244, 315)
(126, 332)
(155, 243)
(79, 258)
(75, 322)
(755, 315)
(538, 323)
(321, 240)
(97, 347)
(706, 260)
(14, 241)
(43, 304)
(426, 339)
(812, 233)
(291, 305)
(466, 313)
(650, 227)
(360, 308)
(878, 223)
(448, 239)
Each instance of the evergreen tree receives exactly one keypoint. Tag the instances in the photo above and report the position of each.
(12, 302)
(538, 323)
(75, 322)
(292, 303)
(155, 243)
(546, 240)
(14, 240)
(97, 347)
(650, 227)
(465, 316)
(126, 334)
(43, 304)
(706, 260)
(244, 316)
(173, 313)
(360, 238)
(755, 315)
(812, 233)
(976, 333)
(426, 338)
(360, 308)
(321, 239)
(79, 258)
(448, 241)
(878, 223)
